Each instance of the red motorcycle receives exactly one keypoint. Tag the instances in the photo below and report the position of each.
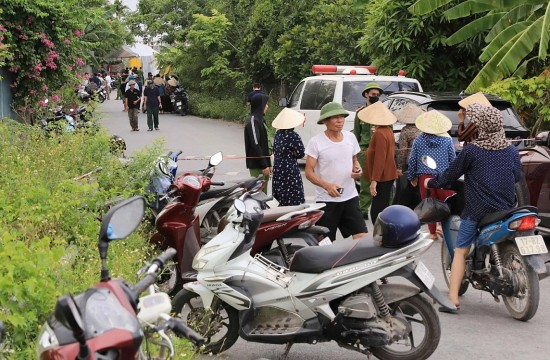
(105, 321)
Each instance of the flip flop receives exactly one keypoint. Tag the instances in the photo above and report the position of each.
(444, 309)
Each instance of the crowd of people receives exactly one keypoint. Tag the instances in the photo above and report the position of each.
(336, 158)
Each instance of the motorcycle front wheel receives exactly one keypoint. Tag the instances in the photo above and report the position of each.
(425, 333)
(219, 326)
(101, 98)
(524, 305)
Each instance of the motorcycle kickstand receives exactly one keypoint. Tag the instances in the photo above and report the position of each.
(287, 350)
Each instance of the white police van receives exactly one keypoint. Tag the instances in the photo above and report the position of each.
(343, 84)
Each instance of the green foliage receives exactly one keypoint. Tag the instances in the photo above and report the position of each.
(500, 24)
(530, 97)
(49, 223)
(395, 39)
(43, 44)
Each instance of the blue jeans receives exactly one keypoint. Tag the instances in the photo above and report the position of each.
(467, 233)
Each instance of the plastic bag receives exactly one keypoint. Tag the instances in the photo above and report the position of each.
(432, 210)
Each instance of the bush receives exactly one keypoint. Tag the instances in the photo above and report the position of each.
(49, 223)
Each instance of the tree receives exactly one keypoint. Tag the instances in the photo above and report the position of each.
(516, 33)
(395, 39)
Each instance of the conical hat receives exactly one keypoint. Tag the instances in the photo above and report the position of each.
(158, 80)
(377, 114)
(433, 122)
(477, 98)
(288, 119)
(172, 82)
(408, 114)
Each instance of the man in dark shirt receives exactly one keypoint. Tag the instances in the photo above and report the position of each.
(257, 89)
(151, 103)
(256, 141)
(132, 99)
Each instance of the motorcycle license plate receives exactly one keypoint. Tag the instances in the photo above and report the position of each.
(531, 245)
(424, 275)
(178, 103)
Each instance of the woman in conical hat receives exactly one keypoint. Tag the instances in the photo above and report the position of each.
(380, 160)
(434, 141)
(468, 133)
(288, 187)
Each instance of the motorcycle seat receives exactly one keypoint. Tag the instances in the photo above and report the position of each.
(316, 259)
(218, 191)
(501, 215)
(275, 213)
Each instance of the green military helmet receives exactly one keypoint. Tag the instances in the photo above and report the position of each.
(331, 109)
(370, 86)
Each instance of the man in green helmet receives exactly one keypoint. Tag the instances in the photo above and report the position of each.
(363, 134)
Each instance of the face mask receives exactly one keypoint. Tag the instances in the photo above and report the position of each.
(373, 99)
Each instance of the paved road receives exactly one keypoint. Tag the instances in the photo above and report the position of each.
(483, 330)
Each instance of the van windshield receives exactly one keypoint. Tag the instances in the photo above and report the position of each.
(351, 93)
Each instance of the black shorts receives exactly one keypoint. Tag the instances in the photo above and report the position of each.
(345, 216)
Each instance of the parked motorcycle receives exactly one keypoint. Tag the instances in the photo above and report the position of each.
(505, 258)
(104, 321)
(328, 293)
(60, 121)
(180, 101)
(101, 94)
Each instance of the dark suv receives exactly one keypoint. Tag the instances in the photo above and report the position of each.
(534, 189)
(447, 103)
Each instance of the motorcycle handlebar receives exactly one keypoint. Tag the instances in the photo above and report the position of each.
(181, 330)
(151, 276)
(179, 153)
(217, 183)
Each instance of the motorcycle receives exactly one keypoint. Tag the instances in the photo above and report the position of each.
(180, 101)
(59, 122)
(101, 94)
(505, 259)
(108, 320)
(328, 293)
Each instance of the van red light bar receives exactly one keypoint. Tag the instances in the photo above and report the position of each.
(339, 69)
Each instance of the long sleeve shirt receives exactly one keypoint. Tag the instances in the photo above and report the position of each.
(439, 148)
(406, 139)
(381, 156)
(490, 177)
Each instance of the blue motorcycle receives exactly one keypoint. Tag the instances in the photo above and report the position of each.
(505, 260)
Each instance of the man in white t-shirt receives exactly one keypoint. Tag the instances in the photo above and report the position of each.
(332, 166)
(108, 81)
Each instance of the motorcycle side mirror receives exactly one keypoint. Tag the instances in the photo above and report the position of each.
(283, 102)
(216, 159)
(240, 206)
(429, 162)
(119, 222)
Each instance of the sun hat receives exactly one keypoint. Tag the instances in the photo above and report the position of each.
(477, 98)
(288, 119)
(331, 109)
(408, 113)
(370, 86)
(158, 80)
(377, 114)
(172, 82)
(433, 122)
(489, 124)
(131, 82)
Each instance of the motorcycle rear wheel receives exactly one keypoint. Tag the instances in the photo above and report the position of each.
(424, 321)
(209, 324)
(101, 98)
(524, 306)
(446, 267)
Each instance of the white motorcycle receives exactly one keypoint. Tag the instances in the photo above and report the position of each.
(327, 293)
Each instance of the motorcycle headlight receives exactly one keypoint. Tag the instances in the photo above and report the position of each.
(198, 261)
(46, 340)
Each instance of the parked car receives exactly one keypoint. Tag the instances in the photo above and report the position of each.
(447, 103)
(343, 84)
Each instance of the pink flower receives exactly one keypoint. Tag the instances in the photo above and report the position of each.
(47, 42)
(32, 92)
(14, 68)
(18, 28)
(42, 103)
(55, 97)
(53, 54)
(66, 41)
(70, 67)
(77, 33)
(45, 87)
(2, 28)
(79, 62)
(23, 37)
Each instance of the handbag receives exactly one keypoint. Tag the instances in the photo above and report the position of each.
(432, 210)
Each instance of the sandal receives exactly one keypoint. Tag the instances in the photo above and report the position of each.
(447, 310)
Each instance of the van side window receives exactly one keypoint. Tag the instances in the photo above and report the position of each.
(295, 97)
(317, 93)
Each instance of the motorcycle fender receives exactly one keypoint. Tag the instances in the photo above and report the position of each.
(206, 295)
(397, 292)
(408, 273)
(537, 263)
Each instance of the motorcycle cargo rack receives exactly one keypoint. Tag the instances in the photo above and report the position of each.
(274, 272)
